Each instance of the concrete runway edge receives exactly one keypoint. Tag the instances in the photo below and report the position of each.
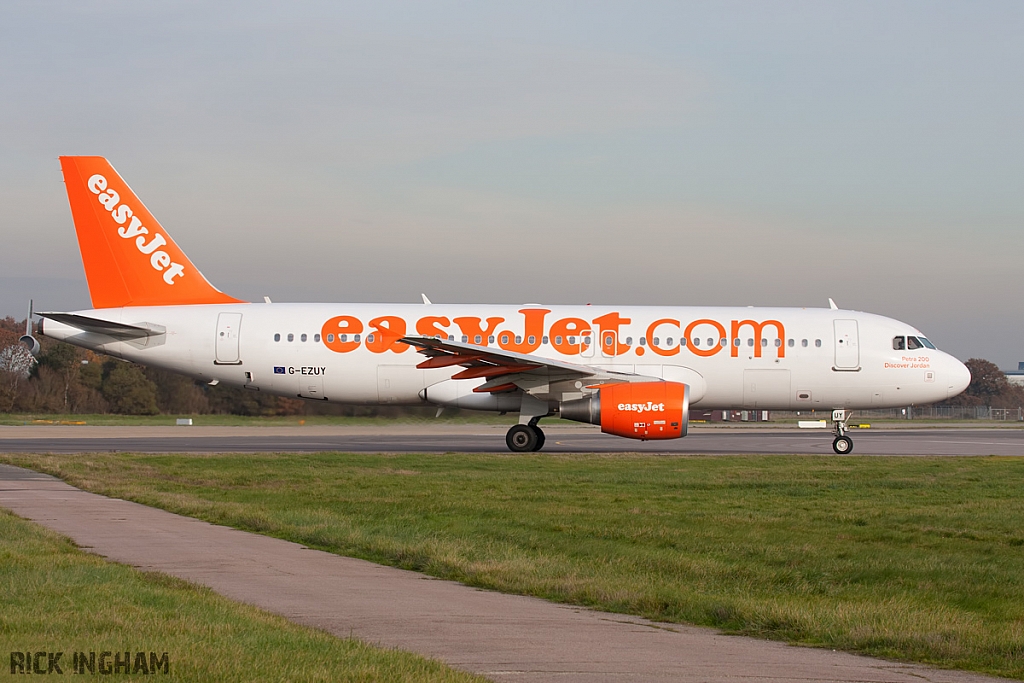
(503, 637)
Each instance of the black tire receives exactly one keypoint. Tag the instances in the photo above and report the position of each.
(540, 438)
(521, 439)
(843, 445)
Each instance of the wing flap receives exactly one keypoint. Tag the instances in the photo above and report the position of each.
(483, 361)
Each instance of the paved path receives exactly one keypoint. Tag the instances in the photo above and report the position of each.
(487, 438)
(504, 637)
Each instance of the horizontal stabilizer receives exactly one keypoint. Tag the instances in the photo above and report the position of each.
(106, 327)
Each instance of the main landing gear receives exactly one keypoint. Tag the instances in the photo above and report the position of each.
(842, 444)
(525, 438)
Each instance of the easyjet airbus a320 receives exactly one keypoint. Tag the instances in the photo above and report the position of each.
(636, 371)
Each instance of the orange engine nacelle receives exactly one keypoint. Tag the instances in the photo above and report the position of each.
(639, 410)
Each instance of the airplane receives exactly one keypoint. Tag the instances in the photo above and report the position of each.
(634, 370)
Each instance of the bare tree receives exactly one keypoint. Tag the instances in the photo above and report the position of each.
(15, 367)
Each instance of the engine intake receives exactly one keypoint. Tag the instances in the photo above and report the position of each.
(635, 410)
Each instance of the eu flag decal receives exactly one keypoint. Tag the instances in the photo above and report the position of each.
(278, 370)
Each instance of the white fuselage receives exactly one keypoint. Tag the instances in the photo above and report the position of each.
(761, 358)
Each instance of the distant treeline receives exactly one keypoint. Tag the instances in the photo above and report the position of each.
(68, 379)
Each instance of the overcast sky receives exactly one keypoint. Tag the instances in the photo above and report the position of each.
(750, 153)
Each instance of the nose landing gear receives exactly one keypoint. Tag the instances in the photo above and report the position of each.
(842, 444)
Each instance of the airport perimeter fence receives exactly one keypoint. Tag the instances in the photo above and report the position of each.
(934, 413)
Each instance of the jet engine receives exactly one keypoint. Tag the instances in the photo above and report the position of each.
(635, 410)
(27, 340)
(30, 343)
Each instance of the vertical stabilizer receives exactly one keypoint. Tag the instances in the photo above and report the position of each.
(129, 259)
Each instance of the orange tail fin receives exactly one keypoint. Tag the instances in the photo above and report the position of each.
(129, 259)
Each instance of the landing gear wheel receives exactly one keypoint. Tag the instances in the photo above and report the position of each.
(522, 438)
(842, 445)
(540, 438)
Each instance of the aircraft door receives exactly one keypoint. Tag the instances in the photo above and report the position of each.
(766, 389)
(228, 326)
(608, 342)
(847, 345)
(587, 344)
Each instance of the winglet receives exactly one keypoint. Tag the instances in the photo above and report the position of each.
(129, 259)
(425, 299)
(832, 304)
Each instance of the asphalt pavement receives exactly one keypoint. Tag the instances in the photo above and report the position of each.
(443, 438)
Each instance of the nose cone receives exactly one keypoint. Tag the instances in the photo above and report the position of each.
(959, 377)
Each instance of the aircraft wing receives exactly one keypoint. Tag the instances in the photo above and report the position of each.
(507, 370)
(119, 331)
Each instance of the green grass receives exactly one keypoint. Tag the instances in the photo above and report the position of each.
(918, 559)
(55, 597)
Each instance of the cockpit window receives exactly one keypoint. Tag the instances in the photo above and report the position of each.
(913, 343)
(899, 343)
(927, 343)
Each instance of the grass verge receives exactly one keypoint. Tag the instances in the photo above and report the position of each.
(16, 419)
(57, 598)
(919, 559)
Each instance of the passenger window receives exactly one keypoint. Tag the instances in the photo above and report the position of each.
(316, 337)
(803, 343)
(490, 339)
(668, 342)
(277, 337)
(519, 339)
(571, 339)
(451, 337)
(629, 341)
(792, 343)
(330, 338)
(369, 338)
(531, 339)
(465, 339)
(711, 342)
(643, 341)
(750, 342)
(682, 341)
(778, 343)
(504, 339)
(478, 339)
(343, 338)
(303, 337)
(355, 338)
(736, 341)
(764, 342)
(817, 343)
(912, 343)
(558, 340)
(696, 341)
(898, 343)
(723, 342)
(586, 340)
(291, 337)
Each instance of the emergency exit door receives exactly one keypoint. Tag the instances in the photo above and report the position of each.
(847, 345)
(228, 325)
